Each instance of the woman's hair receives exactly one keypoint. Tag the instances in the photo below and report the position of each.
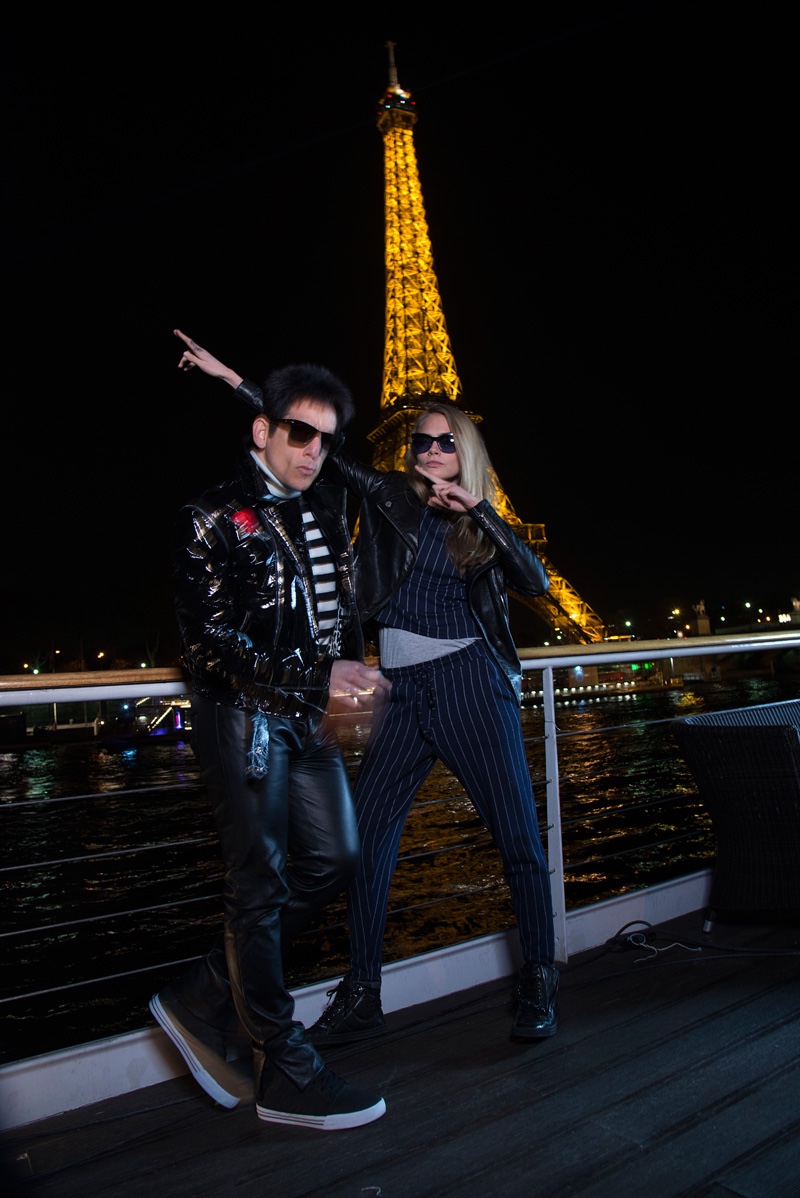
(466, 543)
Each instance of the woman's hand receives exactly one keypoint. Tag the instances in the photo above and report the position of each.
(448, 496)
(195, 355)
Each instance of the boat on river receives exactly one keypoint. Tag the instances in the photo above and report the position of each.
(615, 684)
(125, 723)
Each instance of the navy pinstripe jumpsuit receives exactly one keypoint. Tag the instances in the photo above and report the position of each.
(462, 709)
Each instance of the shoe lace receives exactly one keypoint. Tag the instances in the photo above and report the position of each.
(337, 999)
(533, 992)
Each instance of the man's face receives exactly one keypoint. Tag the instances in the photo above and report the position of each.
(279, 444)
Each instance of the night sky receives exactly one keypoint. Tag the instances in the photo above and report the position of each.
(611, 197)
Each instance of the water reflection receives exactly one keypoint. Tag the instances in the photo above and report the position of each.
(110, 864)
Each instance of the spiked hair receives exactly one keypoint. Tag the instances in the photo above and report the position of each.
(306, 381)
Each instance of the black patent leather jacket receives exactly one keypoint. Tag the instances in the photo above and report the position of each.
(244, 595)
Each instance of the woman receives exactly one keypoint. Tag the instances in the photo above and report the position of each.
(434, 563)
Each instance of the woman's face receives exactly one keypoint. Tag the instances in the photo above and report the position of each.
(444, 465)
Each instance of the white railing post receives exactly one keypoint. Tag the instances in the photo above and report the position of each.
(555, 845)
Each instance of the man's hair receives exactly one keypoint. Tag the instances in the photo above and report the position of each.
(306, 381)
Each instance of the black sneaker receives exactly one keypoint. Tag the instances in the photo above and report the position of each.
(203, 1049)
(537, 1010)
(354, 1013)
(328, 1103)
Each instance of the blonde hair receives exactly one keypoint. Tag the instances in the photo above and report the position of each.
(466, 542)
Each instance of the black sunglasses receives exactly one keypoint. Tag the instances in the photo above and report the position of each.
(301, 434)
(421, 442)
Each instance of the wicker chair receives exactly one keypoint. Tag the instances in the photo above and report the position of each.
(746, 763)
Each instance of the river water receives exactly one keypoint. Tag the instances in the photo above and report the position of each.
(110, 865)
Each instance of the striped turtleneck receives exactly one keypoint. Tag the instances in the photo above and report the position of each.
(323, 567)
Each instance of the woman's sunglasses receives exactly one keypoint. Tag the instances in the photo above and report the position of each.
(302, 434)
(421, 442)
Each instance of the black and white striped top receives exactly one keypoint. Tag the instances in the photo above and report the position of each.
(326, 590)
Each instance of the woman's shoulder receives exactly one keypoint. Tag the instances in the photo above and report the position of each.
(358, 474)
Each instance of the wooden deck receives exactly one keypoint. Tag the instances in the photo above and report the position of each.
(674, 1072)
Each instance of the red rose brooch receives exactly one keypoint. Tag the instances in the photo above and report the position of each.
(246, 521)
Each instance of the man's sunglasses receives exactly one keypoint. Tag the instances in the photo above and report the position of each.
(421, 442)
(302, 434)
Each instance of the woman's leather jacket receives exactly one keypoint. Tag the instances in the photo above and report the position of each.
(245, 595)
(386, 549)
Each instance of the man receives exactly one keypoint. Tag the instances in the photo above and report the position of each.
(268, 624)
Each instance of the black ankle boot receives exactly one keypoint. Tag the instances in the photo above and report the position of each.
(537, 1012)
(354, 1013)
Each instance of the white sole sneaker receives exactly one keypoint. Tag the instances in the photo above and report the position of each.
(336, 1122)
(327, 1103)
(220, 1080)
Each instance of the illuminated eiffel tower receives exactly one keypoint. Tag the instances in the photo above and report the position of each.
(418, 361)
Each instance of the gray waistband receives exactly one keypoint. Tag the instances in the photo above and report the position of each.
(399, 648)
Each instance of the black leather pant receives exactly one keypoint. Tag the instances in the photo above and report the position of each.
(289, 846)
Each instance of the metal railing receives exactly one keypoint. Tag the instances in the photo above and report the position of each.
(164, 886)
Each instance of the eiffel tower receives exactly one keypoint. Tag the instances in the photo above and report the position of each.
(418, 363)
